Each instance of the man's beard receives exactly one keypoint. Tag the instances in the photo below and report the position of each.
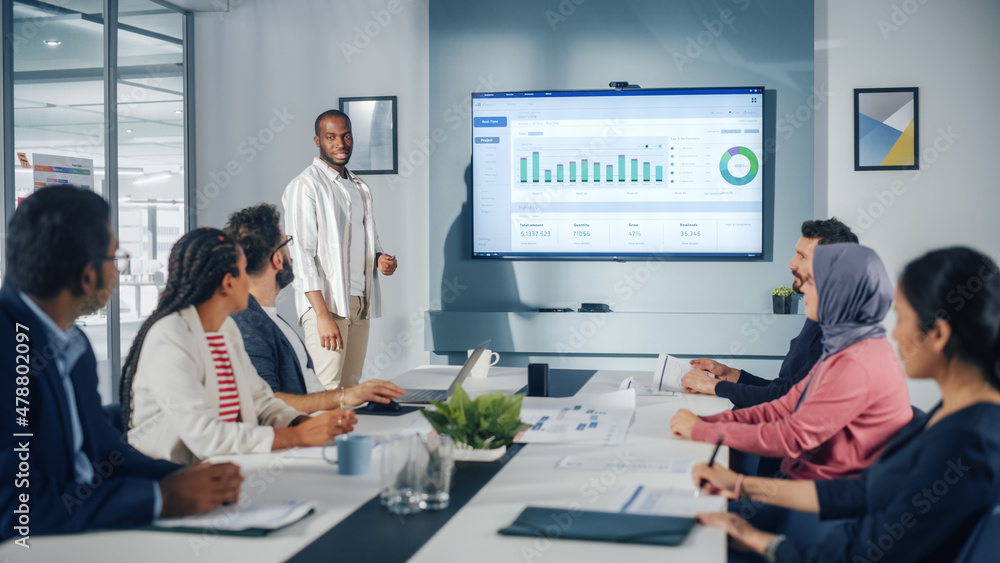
(285, 276)
(797, 284)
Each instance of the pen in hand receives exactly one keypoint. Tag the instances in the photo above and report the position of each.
(711, 462)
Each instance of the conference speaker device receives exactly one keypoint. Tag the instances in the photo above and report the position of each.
(538, 380)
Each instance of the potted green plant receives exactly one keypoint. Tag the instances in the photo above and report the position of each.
(782, 298)
(490, 422)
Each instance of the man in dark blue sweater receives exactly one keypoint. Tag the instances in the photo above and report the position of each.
(745, 389)
(275, 349)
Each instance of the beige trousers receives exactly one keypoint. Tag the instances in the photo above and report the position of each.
(341, 367)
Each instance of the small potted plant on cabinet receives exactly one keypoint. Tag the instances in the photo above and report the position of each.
(782, 298)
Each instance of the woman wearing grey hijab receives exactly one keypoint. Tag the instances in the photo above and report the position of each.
(940, 475)
(836, 421)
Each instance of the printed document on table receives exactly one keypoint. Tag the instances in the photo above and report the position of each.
(262, 514)
(601, 419)
(645, 390)
(668, 374)
(623, 461)
(668, 501)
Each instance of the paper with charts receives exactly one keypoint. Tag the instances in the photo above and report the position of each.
(600, 419)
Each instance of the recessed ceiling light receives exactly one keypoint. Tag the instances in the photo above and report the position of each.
(52, 42)
(129, 130)
(178, 111)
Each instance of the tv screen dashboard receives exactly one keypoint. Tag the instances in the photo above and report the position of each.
(618, 174)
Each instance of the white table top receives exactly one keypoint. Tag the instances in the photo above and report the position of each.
(529, 478)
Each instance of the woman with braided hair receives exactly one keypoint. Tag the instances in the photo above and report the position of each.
(189, 390)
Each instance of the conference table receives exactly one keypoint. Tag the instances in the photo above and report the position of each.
(350, 525)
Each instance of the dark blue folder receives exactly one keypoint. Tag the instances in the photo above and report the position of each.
(616, 527)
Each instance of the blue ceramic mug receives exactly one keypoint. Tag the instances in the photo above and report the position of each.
(354, 454)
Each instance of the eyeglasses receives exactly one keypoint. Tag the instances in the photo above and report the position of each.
(288, 242)
(121, 259)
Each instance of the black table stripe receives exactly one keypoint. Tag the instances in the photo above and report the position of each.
(372, 533)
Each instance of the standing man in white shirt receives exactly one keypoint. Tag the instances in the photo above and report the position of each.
(328, 211)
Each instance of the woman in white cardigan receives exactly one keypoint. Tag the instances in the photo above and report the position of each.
(189, 390)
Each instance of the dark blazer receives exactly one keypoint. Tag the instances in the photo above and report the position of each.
(270, 351)
(920, 501)
(122, 492)
(803, 353)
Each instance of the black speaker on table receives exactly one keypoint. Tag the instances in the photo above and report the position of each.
(538, 380)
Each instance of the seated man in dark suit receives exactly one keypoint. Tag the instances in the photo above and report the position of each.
(747, 390)
(69, 469)
(275, 349)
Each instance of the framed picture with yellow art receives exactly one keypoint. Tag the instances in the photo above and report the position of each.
(886, 129)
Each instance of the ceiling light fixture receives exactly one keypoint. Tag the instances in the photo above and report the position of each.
(177, 111)
(151, 178)
(52, 42)
(129, 130)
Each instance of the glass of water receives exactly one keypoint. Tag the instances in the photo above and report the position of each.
(404, 464)
(440, 465)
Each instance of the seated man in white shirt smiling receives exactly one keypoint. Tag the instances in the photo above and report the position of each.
(275, 349)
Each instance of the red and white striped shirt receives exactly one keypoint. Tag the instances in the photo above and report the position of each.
(229, 398)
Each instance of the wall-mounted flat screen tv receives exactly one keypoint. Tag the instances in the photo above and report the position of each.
(618, 174)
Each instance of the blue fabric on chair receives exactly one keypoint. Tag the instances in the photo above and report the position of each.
(984, 543)
(114, 412)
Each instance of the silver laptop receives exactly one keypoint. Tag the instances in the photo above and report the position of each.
(424, 396)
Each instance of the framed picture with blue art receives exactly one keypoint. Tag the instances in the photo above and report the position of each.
(886, 129)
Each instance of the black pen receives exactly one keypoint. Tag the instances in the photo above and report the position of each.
(711, 462)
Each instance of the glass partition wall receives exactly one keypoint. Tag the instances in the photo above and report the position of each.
(99, 88)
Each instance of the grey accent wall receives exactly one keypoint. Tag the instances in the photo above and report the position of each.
(531, 45)
(265, 70)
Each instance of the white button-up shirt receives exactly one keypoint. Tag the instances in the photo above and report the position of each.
(318, 214)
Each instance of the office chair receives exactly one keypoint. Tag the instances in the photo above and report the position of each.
(984, 543)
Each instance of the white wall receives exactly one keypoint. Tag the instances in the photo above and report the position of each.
(264, 71)
(949, 50)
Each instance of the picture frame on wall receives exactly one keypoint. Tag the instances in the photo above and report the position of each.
(373, 124)
(886, 129)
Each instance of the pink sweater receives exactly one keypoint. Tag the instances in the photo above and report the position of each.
(857, 400)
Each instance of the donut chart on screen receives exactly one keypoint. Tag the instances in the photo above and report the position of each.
(750, 163)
